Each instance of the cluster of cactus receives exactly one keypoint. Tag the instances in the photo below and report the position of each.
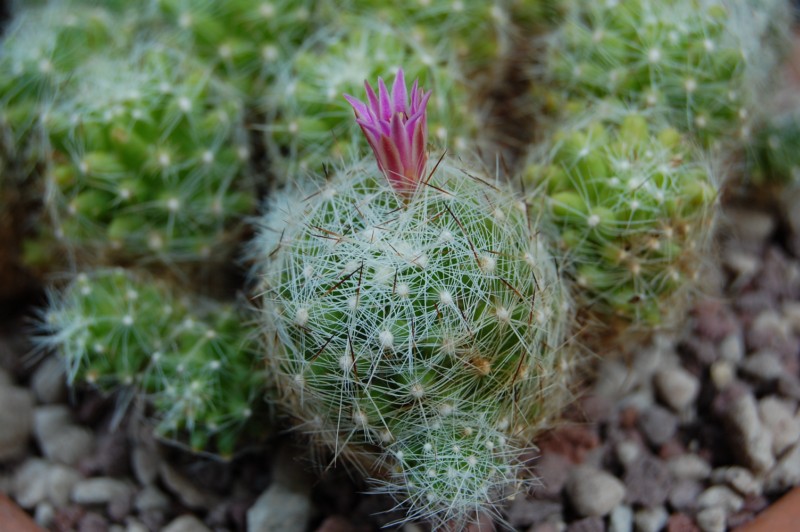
(148, 160)
(310, 124)
(432, 329)
(190, 358)
(632, 204)
(700, 70)
(414, 317)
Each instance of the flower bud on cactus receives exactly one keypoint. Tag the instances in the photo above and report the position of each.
(423, 317)
(311, 126)
(632, 204)
(190, 359)
(700, 62)
(149, 160)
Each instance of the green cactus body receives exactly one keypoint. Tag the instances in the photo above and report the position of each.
(312, 126)
(242, 40)
(149, 161)
(476, 30)
(632, 205)
(191, 359)
(389, 323)
(774, 157)
(700, 62)
(39, 53)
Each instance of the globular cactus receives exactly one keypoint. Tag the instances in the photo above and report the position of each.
(191, 359)
(416, 317)
(242, 40)
(39, 52)
(774, 157)
(632, 203)
(149, 161)
(701, 62)
(311, 126)
(478, 32)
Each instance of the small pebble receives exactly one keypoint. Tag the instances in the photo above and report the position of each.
(621, 519)
(185, 490)
(186, 523)
(676, 387)
(779, 417)
(786, 472)
(587, 524)
(681, 523)
(16, 419)
(722, 374)
(145, 462)
(731, 349)
(738, 478)
(651, 519)
(763, 365)
(712, 519)
(754, 444)
(720, 497)
(93, 522)
(49, 383)
(648, 482)
(689, 466)
(99, 490)
(151, 498)
(658, 424)
(684, 493)
(31, 483)
(44, 514)
(59, 438)
(627, 452)
(594, 492)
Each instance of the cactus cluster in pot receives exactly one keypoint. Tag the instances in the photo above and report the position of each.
(414, 316)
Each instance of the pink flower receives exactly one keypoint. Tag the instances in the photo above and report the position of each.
(397, 131)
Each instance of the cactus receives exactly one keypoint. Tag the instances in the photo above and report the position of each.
(38, 54)
(191, 359)
(774, 157)
(149, 161)
(310, 126)
(419, 313)
(632, 205)
(702, 62)
(242, 40)
(477, 32)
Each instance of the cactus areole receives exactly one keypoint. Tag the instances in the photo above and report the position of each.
(397, 131)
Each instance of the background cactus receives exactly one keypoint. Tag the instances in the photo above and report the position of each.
(191, 359)
(775, 154)
(632, 203)
(389, 323)
(309, 123)
(149, 161)
(701, 62)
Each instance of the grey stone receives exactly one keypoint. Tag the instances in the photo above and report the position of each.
(181, 487)
(44, 514)
(59, 438)
(722, 374)
(524, 511)
(763, 365)
(31, 483)
(786, 472)
(187, 523)
(151, 498)
(594, 492)
(738, 478)
(742, 263)
(648, 482)
(5, 379)
(658, 425)
(720, 497)
(49, 382)
(280, 508)
(587, 524)
(145, 462)
(689, 466)
(779, 417)
(651, 519)
(99, 490)
(744, 427)
(621, 519)
(15, 421)
(731, 349)
(628, 452)
(553, 470)
(676, 387)
(791, 311)
(61, 480)
(750, 226)
(684, 493)
(132, 525)
(712, 520)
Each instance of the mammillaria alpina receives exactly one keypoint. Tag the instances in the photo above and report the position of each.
(414, 314)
